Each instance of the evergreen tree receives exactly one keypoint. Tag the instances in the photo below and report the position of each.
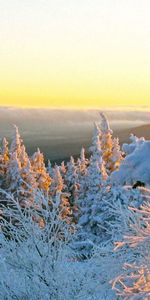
(23, 157)
(16, 143)
(29, 185)
(57, 184)
(13, 177)
(117, 155)
(106, 142)
(91, 192)
(71, 174)
(112, 154)
(19, 171)
(50, 169)
(4, 159)
(133, 281)
(65, 212)
(5, 151)
(42, 177)
(135, 142)
(71, 181)
(96, 174)
(63, 169)
(82, 164)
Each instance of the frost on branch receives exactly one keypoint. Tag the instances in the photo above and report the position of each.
(37, 262)
(112, 154)
(42, 177)
(134, 281)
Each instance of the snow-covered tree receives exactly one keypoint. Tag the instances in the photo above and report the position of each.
(58, 190)
(65, 213)
(106, 143)
(23, 158)
(71, 174)
(19, 174)
(112, 154)
(29, 185)
(4, 159)
(135, 167)
(63, 169)
(71, 177)
(42, 177)
(96, 171)
(57, 184)
(50, 169)
(82, 164)
(133, 282)
(72, 186)
(117, 155)
(109, 209)
(40, 261)
(13, 177)
(16, 142)
(5, 151)
(135, 142)
(94, 181)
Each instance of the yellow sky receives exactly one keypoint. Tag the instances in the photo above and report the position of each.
(74, 53)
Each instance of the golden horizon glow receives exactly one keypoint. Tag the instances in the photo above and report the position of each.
(66, 53)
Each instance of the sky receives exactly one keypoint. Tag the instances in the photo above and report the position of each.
(74, 53)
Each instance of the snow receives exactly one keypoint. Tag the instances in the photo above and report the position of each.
(135, 167)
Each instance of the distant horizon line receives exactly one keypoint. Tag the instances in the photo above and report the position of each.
(116, 107)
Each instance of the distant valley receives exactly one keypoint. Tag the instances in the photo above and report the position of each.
(61, 133)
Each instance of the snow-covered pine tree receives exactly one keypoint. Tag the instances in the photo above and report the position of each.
(11, 161)
(58, 192)
(94, 181)
(133, 282)
(63, 169)
(16, 142)
(96, 156)
(71, 174)
(71, 177)
(20, 178)
(57, 184)
(112, 154)
(135, 168)
(42, 177)
(64, 209)
(96, 174)
(82, 164)
(106, 142)
(108, 209)
(4, 159)
(40, 261)
(80, 186)
(71, 182)
(13, 177)
(23, 157)
(95, 137)
(117, 155)
(135, 142)
(29, 185)
(5, 151)
(50, 169)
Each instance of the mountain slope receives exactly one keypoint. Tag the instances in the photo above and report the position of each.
(139, 131)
